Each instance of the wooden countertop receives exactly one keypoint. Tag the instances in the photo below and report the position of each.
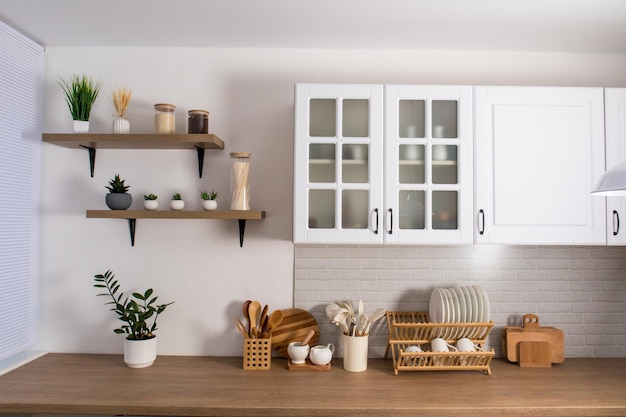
(216, 386)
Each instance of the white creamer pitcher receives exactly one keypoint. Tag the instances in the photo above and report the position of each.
(321, 355)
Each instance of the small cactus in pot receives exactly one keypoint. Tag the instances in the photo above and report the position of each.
(118, 198)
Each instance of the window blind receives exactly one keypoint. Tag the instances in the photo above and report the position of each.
(21, 86)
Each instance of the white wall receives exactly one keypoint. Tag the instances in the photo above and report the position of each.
(198, 264)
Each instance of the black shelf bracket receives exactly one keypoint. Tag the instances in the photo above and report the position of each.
(242, 229)
(131, 228)
(200, 150)
(92, 158)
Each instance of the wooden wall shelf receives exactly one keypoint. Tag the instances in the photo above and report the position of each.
(93, 141)
(133, 215)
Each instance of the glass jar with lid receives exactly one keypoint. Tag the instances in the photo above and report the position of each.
(240, 181)
(198, 121)
(164, 118)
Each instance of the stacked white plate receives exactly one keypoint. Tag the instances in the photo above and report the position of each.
(467, 304)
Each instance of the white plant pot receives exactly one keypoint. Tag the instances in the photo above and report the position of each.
(151, 205)
(209, 204)
(81, 126)
(121, 125)
(177, 204)
(140, 353)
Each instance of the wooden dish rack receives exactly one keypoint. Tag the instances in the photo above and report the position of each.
(415, 329)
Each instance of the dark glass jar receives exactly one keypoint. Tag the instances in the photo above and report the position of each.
(198, 121)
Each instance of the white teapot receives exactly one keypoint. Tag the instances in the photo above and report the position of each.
(321, 355)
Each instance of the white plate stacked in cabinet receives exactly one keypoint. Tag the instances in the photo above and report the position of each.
(454, 313)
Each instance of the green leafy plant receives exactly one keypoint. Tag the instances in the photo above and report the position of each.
(80, 94)
(176, 197)
(139, 311)
(150, 197)
(116, 185)
(208, 196)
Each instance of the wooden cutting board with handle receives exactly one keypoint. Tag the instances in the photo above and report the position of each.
(294, 328)
(538, 345)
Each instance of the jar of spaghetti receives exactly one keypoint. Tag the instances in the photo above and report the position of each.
(240, 181)
(198, 121)
(164, 118)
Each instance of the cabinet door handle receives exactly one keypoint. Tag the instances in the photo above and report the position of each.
(481, 221)
(390, 230)
(376, 221)
(615, 222)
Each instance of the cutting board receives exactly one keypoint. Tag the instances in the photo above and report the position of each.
(294, 327)
(539, 345)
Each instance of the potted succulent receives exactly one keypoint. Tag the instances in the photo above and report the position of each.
(209, 201)
(177, 203)
(80, 94)
(139, 312)
(118, 198)
(150, 202)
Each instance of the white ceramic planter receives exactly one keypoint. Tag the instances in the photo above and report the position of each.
(140, 353)
(81, 126)
(355, 353)
(177, 204)
(209, 204)
(151, 205)
(121, 125)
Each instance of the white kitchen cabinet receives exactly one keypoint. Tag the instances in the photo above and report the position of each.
(538, 152)
(378, 164)
(615, 131)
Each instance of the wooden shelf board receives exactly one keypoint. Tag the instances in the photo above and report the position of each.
(171, 214)
(134, 141)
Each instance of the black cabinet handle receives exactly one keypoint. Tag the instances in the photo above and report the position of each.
(390, 221)
(481, 221)
(615, 222)
(376, 229)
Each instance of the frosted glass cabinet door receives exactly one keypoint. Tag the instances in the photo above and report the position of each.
(428, 164)
(538, 152)
(338, 163)
(615, 131)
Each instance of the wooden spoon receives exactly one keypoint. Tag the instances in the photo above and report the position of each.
(275, 319)
(263, 319)
(246, 314)
(254, 310)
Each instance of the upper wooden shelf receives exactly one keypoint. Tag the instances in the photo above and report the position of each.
(134, 141)
(93, 141)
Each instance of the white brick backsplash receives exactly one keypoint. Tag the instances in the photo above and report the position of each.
(580, 290)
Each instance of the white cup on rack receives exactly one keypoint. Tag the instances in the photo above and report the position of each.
(440, 345)
(466, 345)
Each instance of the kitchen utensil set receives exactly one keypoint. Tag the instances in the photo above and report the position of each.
(259, 323)
(351, 324)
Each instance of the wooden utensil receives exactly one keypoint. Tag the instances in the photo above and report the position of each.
(274, 320)
(308, 337)
(294, 327)
(254, 310)
(246, 314)
(262, 319)
(241, 327)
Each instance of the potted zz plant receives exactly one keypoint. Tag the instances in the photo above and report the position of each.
(150, 202)
(118, 198)
(209, 201)
(139, 312)
(80, 94)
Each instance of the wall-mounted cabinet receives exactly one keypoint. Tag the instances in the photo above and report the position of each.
(538, 152)
(93, 141)
(615, 131)
(383, 164)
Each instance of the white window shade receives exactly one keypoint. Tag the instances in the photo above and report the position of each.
(21, 86)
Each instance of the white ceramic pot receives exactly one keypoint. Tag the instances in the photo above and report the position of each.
(151, 205)
(355, 353)
(177, 204)
(81, 126)
(121, 125)
(140, 353)
(209, 204)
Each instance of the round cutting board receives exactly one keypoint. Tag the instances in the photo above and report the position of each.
(294, 327)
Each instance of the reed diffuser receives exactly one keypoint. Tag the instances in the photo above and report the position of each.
(121, 100)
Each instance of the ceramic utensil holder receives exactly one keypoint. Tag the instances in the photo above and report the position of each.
(355, 353)
(257, 354)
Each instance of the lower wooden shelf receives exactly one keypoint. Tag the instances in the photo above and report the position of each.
(133, 215)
